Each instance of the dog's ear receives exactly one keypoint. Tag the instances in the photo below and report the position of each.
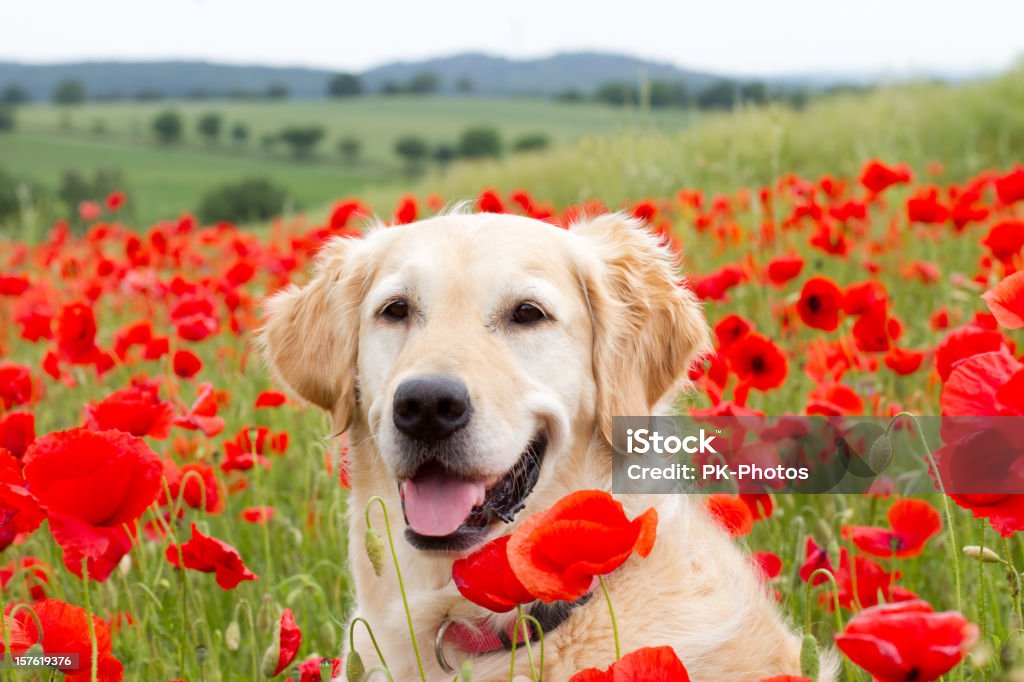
(648, 327)
(311, 334)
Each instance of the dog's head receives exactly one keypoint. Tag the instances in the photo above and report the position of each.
(479, 350)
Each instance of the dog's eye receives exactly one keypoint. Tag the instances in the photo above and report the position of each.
(396, 310)
(527, 313)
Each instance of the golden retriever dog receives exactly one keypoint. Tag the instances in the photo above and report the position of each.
(476, 362)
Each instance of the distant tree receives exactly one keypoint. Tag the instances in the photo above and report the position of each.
(344, 85)
(209, 126)
(531, 142)
(6, 119)
(253, 199)
(240, 133)
(444, 154)
(668, 94)
(302, 139)
(277, 91)
(423, 83)
(465, 84)
(13, 95)
(350, 147)
(479, 142)
(167, 126)
(68, 92)
(391, 87)
(719, 95)
(571, 95)
(753, 92)
(617, 93)
(268, 142)
(413, 150)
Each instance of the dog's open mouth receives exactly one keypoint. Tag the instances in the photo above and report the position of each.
(448, 512)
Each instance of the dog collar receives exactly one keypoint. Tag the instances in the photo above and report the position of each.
(480, 637)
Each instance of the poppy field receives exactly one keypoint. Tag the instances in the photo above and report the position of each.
(166, 513)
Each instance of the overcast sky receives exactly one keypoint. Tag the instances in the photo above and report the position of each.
(727, 36)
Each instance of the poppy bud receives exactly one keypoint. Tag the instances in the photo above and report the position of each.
(880, 455)
(810, 657)
(466, 671)
(983, 554)
(124, 566)
(326, 669)
(35, 650)
(327, 634)
(232, 636)
(201, 654)
(270, 658)
(375, 549)
(354, 669)
(265, 616)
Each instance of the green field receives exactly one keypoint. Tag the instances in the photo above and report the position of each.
(164, 180)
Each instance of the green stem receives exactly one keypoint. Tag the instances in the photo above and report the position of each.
(94, 664)
(1016, 582)
(253, 643)
(172, 528)
(835, 609)
(523, 617)
(954, 548)
(401, 583)
(369, 631)
(611, 612)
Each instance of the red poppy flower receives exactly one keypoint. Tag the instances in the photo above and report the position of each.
(114, 201)
(904, 361)
(873, 330)
(556, 554)
(66, 631)
(270, 399)
(962, 343)
(983, 385)
(759, 504)
(815, 557)
(15, 384)
(34, 574)
(1006, 301)
(76, 334)
(186, 364)
(650, 664)
(258, 514)
(13, 285)
(907, 641)
(876, 176)
(912, 523)
(406, 210)
(1010, 187)
(820, 303)
(200, 484)
(195, 317)
(784, 268)
(90, 483)
(861, 297)
(865, 584)
(344, 211)
(1005, 240)
(768, 564)
(210, 555)
(731, 328)
(925, 207)
(758, 362)
(489, 201)
(202, 415)
(137, 410)
(19, 510)
(731, 514)
(286, 643)
(244, 452)
(17, 431)
(485, 578)
(309, 669)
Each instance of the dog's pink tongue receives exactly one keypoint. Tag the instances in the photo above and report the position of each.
(436, 505)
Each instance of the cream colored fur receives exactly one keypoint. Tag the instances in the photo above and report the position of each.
(622, 338)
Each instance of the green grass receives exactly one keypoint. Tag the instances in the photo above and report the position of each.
(966, 128)
(163, 181)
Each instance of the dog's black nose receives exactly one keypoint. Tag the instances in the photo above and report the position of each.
(432, 407)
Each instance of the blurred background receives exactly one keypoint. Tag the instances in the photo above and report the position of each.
(242, 111)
